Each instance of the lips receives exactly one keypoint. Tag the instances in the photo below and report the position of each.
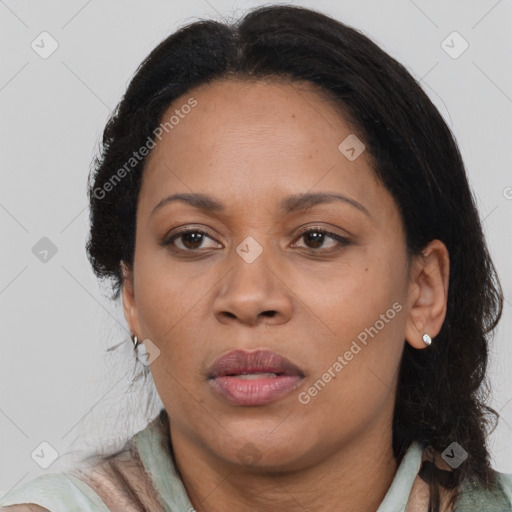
(253, 378)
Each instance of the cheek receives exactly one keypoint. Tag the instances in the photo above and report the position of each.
(363, 308)
(355, 377)
(163, 294)
(171, 310)
(351, 294)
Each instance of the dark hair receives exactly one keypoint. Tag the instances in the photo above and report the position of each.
(441, 391)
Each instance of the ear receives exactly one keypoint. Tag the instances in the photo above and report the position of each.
(128, 295)
(428, 293)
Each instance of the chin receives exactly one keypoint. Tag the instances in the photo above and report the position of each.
(264, 452)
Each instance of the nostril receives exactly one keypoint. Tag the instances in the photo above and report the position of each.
(269, 313)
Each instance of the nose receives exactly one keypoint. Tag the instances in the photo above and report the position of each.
(253, 293)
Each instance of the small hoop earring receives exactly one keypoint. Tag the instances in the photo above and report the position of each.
(427, 339)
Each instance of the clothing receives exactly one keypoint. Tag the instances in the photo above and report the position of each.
(65, 492)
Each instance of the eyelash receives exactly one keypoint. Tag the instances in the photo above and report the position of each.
(342, 241)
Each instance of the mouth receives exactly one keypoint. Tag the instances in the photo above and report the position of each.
(253, 378)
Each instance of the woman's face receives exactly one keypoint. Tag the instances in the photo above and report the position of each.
(264, 157)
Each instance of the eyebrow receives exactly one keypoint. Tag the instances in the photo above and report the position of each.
(294, 203)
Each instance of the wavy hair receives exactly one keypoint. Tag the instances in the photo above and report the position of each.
(441, 391)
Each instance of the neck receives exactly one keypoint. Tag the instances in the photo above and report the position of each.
(354, 478)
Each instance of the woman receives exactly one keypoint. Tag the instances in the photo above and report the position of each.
(309, 279)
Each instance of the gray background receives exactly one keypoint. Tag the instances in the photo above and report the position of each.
(58, 383)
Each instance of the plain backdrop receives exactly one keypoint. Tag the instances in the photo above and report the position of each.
(58, 383)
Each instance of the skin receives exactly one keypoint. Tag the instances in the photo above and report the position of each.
(249, 145)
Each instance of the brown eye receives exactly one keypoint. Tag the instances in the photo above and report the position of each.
(189, 240)
(314, 238)
(192, 239)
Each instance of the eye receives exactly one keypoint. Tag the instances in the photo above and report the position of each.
(315, 238)
(190, 239)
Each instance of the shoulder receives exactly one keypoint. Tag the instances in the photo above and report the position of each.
(474, 496)
(112, 484)
(505, 487)
(505, 481)
(120, 481)
(53, 492)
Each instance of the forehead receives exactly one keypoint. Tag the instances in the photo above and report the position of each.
(257, 138)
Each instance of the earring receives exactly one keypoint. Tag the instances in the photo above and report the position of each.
(135, 341)
(427, 339)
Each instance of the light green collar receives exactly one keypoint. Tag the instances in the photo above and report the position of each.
(152, 447)
(398, 493)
